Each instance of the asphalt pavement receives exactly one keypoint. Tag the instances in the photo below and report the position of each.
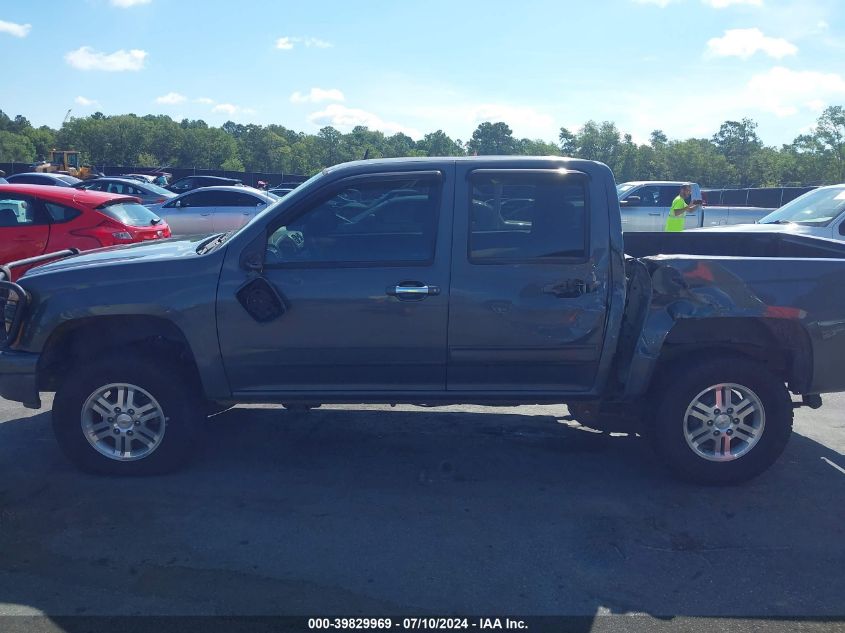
(373, 510)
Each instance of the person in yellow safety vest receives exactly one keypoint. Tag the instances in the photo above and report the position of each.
(675, 221)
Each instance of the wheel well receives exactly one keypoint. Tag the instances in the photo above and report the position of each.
(82, 339)
(782, 345)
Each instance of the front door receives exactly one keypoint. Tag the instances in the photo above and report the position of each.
(234, 209)
(528, 289)
(24, 227)
(192, 213)
(361, 275)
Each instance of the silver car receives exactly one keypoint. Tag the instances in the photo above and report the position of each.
(148, 193)
(213, 209)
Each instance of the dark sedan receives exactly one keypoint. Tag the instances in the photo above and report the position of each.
(147, 192)
(38, 178)
(195, 182)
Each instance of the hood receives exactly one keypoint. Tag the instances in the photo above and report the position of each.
(158, 250)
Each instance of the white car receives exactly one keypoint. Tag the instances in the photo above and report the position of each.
(212, 209)
(820, 212)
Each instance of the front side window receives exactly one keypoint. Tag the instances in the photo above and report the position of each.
(527, 217)
(364, 222)
(17, 211)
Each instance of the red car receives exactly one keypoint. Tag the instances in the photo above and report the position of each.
(38, 219)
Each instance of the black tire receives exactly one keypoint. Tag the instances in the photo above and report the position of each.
(677, 388)
(172, 386)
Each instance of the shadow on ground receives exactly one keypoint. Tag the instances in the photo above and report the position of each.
(417, 511)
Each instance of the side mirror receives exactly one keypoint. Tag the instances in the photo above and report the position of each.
(842, 228)
(633, 201)
(178, 204)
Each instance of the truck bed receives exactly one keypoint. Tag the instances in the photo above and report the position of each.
(732, 244)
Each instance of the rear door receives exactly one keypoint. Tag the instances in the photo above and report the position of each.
(24, 227)
(528, 291)
(234, 209)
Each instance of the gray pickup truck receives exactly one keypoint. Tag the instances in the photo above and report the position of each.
(645, 207)
(500, 280)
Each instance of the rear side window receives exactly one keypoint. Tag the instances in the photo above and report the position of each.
(232, 199)
(527, 217)
(130, 213)
(59, 213)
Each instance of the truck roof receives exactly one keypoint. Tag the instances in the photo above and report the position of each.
(569, 163)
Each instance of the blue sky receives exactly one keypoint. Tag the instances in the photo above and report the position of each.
(680, 65)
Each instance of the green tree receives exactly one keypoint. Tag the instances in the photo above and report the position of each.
(738, 142)
(15, 148)
(439, 144)
(492, 139)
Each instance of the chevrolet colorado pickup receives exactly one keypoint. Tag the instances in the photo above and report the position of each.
(494, 280)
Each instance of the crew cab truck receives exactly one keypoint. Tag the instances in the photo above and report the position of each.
(645, 207)
(499, 280)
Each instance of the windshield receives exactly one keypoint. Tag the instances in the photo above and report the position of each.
(625, 186)
(269, 208)
(157, 190)
(130, 213)
(816, 208)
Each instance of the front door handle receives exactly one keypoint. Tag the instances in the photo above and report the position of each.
(569, 289)
(204, 215)
(657, 214)
(415, 291)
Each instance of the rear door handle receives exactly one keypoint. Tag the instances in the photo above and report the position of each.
(205, 215)
(657, 214)
(414, 291)
(569, 289)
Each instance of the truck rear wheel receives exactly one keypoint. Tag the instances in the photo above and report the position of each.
(720, 422)
(130, 415)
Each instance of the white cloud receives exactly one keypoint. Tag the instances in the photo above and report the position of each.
(317, 95)
(344, 119)
(227, 108)
(125, 4)
(87, 103)
(204, 100)
(231, 109)
(287, 43)
(13, 28)
(783, 92)
(724, 4)
(744, 43)
(171, 98)
(86, 58)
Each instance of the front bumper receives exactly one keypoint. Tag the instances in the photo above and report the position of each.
(18, 378)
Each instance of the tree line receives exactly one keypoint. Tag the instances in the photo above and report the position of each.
(734, 156)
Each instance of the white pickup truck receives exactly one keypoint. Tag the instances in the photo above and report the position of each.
(645, 207)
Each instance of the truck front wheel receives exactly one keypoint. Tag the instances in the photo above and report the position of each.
(720, 422)
(127, 415)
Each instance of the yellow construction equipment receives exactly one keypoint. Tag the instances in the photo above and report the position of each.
(66, 162)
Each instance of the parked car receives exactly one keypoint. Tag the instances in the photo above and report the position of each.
(213, 209)
(38, 178)
(146, 192)
(338, 294)
(645, 207)
(195, 182)
(35, 220)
